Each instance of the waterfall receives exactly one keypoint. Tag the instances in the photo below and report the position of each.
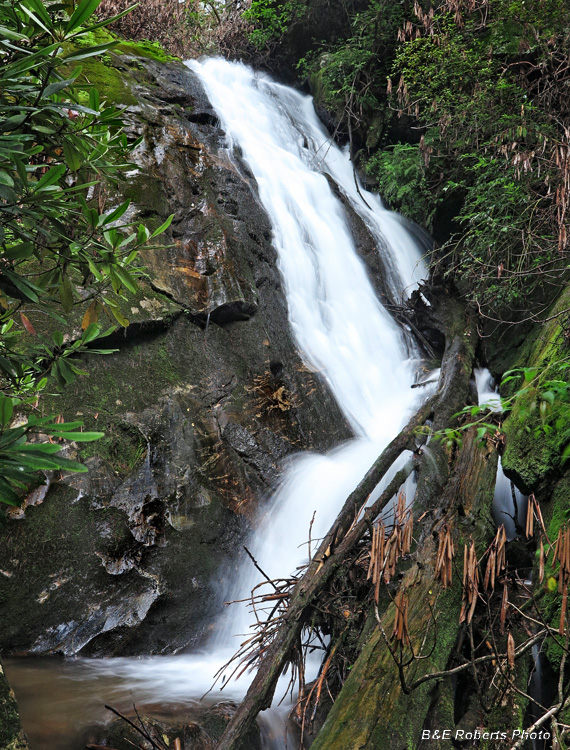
(339, 325)
(341, 329)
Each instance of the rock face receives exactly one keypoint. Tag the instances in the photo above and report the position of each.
(204, 398)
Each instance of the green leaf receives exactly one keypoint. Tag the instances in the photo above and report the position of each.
(5, 179)
(6, 410)
(83, 54)
(9, 368)
(30, 463)
(119, 317)
(142, 234)
(549, 396)
(28, 289)
(20, 252)
(66, 294)
(11, 123)
(65, 371)
(6, 33)
(163, 227)
(83, 11)
(50, 177)
(35, 19)
(44, 427)
(126, 279)
(117, 213)
(39, 8)
(7, 494)
(30, 61)
(107, 21)
(72, 156)
(529, 373)
(80, 437)
(91, 332)
(17, 472)
(14, 436)
(53, 88)
(40, 447)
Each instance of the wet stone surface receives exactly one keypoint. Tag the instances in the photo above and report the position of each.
(203, 401)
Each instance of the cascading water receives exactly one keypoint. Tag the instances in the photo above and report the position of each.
(341, 330)
(340, 327)
(509, 503)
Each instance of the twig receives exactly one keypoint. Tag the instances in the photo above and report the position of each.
(134, 726)
(263, 573)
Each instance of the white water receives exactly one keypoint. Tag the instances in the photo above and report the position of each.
(504, 510)
(341, 330)
(340, 327)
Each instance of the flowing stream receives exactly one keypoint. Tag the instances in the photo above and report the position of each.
(341, 330)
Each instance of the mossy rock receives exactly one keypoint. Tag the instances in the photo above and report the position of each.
(11, 734)
(535, 439)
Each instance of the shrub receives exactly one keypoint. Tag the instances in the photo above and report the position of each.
(58, 248)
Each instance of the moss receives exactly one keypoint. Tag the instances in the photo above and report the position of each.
(11, 735)
(535, 441)
(147, 193)
(534, 446)
(141, 48)
(51, 588)
(103, 398)
(112, 84)
(371, 710)
(123, 447)
(556, 513)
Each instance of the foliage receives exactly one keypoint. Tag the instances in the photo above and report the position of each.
(58, 247)
(20, 460)
(271, 19)
(352, 72)
(402, 180)
(542, 391)
(476, 93)
(185, 29)
(468, 73)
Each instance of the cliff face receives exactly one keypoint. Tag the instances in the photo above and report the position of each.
(201, 403)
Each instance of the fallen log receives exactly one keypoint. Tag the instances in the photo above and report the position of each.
(321, 569)
(347, 531)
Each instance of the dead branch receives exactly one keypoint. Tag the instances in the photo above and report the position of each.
(141, 730)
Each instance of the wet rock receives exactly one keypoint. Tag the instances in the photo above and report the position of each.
(187, 728)
(11, 735)
(200, 406)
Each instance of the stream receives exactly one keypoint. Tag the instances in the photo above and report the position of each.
(341, 330)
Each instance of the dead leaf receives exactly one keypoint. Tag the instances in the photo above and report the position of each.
(27, 325)
(91, 315)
